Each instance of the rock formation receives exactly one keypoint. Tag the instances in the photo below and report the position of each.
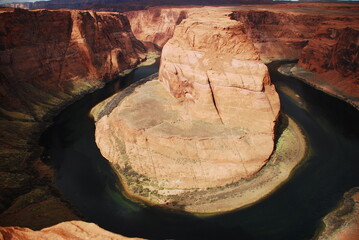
(324, 37)
(207, 122)
(75, 230)
(156, 25)
(343, 222)
(59, 50)
(47, 59)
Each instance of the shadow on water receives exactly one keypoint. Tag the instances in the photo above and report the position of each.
(292, 212)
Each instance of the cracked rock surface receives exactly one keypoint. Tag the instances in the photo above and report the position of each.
(206, 122)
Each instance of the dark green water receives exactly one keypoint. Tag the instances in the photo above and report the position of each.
(294, 211)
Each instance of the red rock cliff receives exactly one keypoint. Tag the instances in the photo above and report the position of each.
(47, 58)
(156, 25)
(56, 50)
(324, 37)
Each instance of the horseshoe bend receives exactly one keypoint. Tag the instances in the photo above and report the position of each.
(205, 123)
(225, 125)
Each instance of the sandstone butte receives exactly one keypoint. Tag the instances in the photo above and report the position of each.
(207, 122)
(322, 36)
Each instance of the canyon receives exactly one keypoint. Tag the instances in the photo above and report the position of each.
(53, 57)
(208, 120)
(48, 59)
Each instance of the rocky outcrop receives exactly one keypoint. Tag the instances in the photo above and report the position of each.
(59, 50)
(332, 57)
(343, 222)
(63, 231)
(47, 59)
(156, 25)
(324, 37)
(207, 122)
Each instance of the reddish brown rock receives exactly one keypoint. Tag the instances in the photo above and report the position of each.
(156, 25)
(207, 122)
(61, 51)
(48, 59)
(332, 56)
(63, 231)
(324, 37)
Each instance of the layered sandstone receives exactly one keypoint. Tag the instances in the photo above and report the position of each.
(156, 25)
(207, 122)
(61, 50)
(47, 59)
(324, 37)
(63, 231)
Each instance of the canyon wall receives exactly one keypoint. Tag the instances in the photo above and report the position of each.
(324, 37)
(57, 50)
(156, 25)
(208, 121)
(47, 59)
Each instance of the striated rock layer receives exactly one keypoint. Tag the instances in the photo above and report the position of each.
(156, 25)
(63, 231)
(207, 122)
(47, 59)
(57, 50)
(324, 37)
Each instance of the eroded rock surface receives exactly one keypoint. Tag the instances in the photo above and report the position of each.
(63, 231)
(324, 37)
(343, 222)
(47, 59)
(156, 25)
(207, 122)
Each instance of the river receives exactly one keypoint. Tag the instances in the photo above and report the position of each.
(293, 212)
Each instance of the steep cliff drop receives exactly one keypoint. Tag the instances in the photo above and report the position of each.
(156, 25)
(206, 123)
(324, 37)
(47, 59)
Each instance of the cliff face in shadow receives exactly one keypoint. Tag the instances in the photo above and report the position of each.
(57, 50)
(47, 59)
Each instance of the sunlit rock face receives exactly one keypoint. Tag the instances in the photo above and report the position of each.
(332, 55)
(156, 25)
(76, 230)
(324, 37)
(207, 122)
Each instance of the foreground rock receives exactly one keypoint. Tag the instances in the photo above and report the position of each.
(47, 59)
(207, 122)
(66, 230)
(343, 222)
